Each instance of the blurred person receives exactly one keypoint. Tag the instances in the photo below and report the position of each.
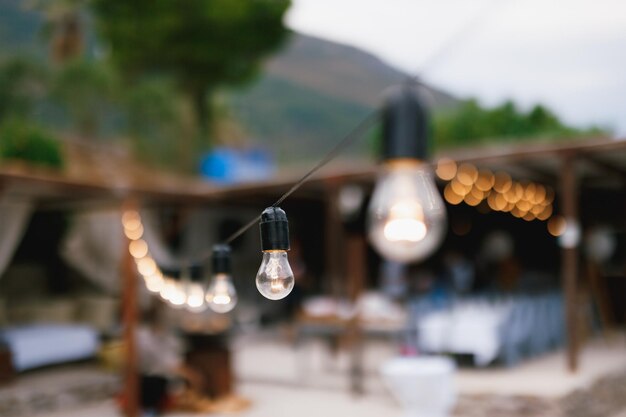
(160, 360)
(302, 284)
(394, 279)
(460, 271)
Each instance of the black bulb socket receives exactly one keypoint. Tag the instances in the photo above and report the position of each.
(405, 123)
(221, 259)
(274, 228)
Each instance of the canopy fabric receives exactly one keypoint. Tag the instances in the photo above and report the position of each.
(95, 244)
(15, 215)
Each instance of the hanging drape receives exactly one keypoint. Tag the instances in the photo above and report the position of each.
(95, 244)
(15, 215)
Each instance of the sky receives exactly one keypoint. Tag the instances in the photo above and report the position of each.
(567, 54)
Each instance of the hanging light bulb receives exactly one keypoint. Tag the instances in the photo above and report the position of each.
(194, 290)
(275, 279)
(171, 290)
(406, 216)
(221, 295)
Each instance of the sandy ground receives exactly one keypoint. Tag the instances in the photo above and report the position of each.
(309, 381)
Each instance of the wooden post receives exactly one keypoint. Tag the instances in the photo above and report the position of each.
(356, 271)
(129, 323)
(569, 261)
(334, 241)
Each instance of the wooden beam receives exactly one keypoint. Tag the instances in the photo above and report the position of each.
(129, 323)
(569, 260)
(606, 167)
(539, 174)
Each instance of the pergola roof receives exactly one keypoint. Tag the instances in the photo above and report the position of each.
(106, 177)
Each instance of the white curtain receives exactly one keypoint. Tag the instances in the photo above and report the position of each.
(95, 244)
(14, 217)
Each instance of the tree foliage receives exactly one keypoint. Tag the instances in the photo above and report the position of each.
(21, 140)
(202, 44)
(23, 83)
(471, 123)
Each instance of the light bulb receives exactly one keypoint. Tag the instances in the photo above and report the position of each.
(221, 294)
(194, 294)
(407, 217)
(172, 292)
(275, 279)
(154, 283)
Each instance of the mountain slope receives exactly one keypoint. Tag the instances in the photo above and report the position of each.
(311, 93)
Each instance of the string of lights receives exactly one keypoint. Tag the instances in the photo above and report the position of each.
(406, 217)
(274, 280)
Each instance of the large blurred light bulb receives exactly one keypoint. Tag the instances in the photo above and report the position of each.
(407, 216)
(221, 294)
(275, 279)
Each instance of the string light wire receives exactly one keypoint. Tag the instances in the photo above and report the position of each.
(346, 141)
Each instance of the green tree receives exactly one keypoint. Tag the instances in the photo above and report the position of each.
(21, 140)
(202, 44)
(471, 123)
(87, 90)
(23, 83)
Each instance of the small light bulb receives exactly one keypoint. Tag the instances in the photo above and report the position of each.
(407, 217)
(195, 301)
(221, 294)
(154, 283)
(172, 292)
(275, 279)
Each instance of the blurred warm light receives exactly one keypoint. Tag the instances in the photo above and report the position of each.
(138, 248)
(471, 200)
(406, 222)
(523, 205)
(169, 288)
(537, 209)
(511, 196)
(517, 212)
(529, 191)
(519, 191)
(477, 193)
(154, 283)
(485, 180)
(446, 169)
(491, 200)
(146, 266)
(134, 234)
(529, 216)
(557, 225)
(451, 196)
(501, 202)
(502, 182)
(546, 213)
(540, 194)
(497, 192)
(467, 174)
(460, 189)
(131, 219)
(549, 195)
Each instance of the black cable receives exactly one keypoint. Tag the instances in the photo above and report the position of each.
(458, 36)
(347, 140)
(369, 120)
